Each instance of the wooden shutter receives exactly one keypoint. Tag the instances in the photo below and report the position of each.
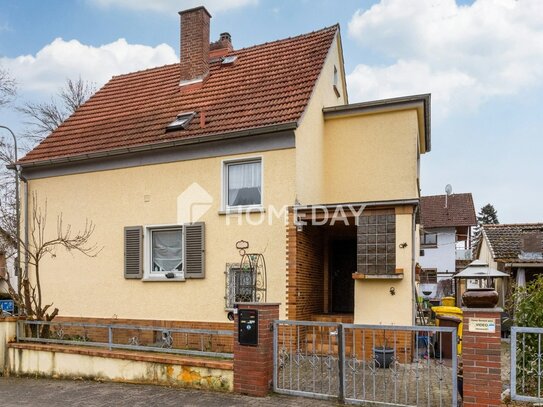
(194, 250)
(133, 259)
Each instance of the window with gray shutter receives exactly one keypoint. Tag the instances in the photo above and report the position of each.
(194, 250)
(133, 263)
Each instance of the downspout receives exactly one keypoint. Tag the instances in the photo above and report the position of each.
(25, 217)
(413, 264)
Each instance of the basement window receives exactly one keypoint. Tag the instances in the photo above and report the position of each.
(181, 121)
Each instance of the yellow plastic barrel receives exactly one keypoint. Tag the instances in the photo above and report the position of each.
(447, 301)
(451, 311)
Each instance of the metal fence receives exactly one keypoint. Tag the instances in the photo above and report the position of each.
(526, 364)
(184, 341)
(386, 365)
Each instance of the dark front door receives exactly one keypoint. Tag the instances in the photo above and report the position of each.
(342, 266)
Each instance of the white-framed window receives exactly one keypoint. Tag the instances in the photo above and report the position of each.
(428, 240)
(164, 253)
(242, 184)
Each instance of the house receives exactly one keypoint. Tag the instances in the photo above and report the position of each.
(446, 222)
(516, 249)
(183, 166)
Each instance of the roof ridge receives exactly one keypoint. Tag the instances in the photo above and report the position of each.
(511, 224)
(440, 195)
(336, 26)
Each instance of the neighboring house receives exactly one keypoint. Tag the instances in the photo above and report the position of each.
(516, 249)
(176, 164)
(445, 243)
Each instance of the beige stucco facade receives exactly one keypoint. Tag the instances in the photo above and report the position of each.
(374, 302)
(371, 157)
(352, 158)
(147, 195)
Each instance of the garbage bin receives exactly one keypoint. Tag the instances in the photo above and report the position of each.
(445, 338)
(447, 302)
(454, 312)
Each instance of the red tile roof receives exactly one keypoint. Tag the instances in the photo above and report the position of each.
(460, 211)
(505, 241)
(269, 84)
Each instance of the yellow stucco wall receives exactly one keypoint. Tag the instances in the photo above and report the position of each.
(485, 254)
(371, 157)
(69, 365)
(96, 287)
(310, 143)
(373, 302)
(8, 333)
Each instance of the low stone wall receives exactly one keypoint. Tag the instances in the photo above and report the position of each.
(62, 361)
(8, 332)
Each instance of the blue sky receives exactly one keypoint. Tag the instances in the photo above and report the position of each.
(481, 60)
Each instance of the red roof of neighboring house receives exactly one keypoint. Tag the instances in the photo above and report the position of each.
(268, 84)
(505, 241)
(459, 211)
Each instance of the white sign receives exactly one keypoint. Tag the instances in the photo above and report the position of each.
(487, 325)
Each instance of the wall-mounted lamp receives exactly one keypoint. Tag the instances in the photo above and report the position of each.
(403, 245)
(392, 291)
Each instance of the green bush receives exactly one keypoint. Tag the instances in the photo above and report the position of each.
(527, 310)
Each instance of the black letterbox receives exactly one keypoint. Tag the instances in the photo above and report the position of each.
(248, 327)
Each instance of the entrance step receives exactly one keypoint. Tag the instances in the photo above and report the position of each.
(339, 318)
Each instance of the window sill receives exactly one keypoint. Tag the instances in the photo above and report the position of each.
(163, 278)
(237, 211)
(396, 276)
(428, 246)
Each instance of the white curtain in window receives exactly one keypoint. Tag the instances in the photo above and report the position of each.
(244, 184)
(167, 250)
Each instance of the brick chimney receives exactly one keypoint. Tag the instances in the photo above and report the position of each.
(221, 47)
(194, 45)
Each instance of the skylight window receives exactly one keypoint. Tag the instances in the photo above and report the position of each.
(229, 60)
(181, 121)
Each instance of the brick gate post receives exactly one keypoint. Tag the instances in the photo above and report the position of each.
(481, 357)
(253, 364)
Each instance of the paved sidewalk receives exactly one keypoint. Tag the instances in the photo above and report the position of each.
(23, 392)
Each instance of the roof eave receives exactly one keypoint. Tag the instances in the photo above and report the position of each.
(155, 146)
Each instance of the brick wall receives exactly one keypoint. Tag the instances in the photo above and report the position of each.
(253, 365)
(194, 43)
(305, 271)
(481, 357)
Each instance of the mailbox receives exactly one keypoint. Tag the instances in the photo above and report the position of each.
(248, 327)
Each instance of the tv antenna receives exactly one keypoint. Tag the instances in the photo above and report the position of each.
(448, 191)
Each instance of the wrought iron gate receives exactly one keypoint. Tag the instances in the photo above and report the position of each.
(527, 364)
(388, 365)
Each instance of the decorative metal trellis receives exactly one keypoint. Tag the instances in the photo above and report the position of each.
(246, 281)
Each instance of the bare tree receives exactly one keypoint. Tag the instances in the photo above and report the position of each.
(29, 298)
(8, 91)
(42, 118)
(8, 87)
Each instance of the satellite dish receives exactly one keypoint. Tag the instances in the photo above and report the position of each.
(448, 189)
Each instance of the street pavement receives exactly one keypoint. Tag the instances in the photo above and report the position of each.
(22, 392)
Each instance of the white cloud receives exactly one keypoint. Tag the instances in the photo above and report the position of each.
(173, 6)
(462, 54)
(46, 71)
